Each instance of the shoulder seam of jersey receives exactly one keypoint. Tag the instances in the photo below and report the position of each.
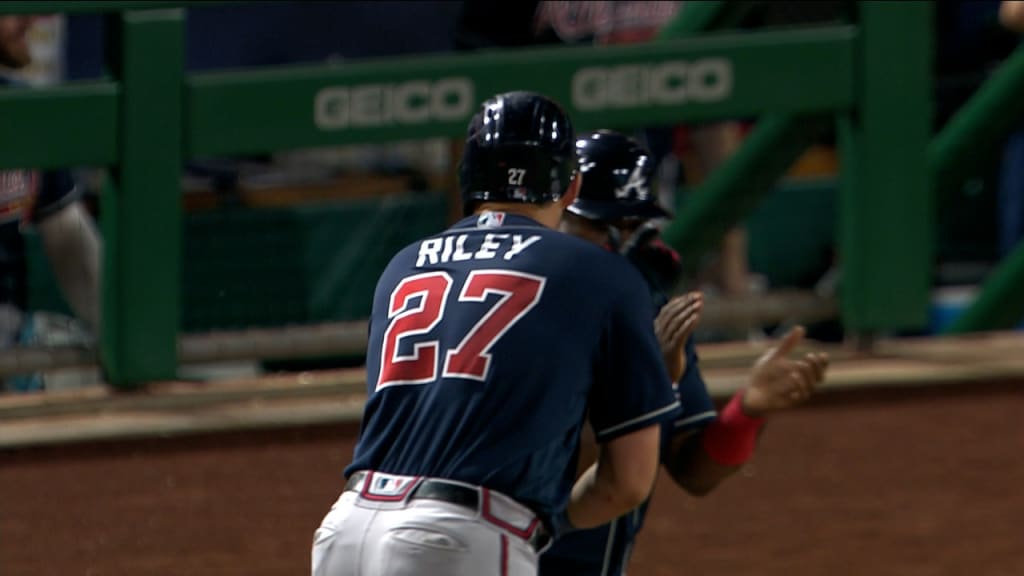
(641, 418)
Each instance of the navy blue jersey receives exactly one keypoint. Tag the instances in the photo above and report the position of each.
(488, 345)
(605, 551)
(26, 196)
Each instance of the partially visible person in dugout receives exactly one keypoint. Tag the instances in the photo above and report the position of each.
(49, 202)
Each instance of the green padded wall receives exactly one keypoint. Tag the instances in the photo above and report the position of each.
(310, 263)
(246, 267)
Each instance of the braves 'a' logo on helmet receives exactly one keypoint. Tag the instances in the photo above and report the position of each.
(636, 187)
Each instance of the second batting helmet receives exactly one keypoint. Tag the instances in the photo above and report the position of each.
(617, 183)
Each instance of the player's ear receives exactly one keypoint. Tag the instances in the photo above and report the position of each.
(574, 189)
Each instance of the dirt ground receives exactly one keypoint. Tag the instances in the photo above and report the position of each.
(914, 482)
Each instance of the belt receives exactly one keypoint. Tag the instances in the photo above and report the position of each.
(436, 489)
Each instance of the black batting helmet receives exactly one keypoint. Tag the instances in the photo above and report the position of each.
(617, 183)
(519, 148)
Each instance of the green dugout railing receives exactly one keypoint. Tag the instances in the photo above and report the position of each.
(149, 116)
(886, 215)
(966, 142)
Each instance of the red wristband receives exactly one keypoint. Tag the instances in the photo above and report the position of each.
(730, 440)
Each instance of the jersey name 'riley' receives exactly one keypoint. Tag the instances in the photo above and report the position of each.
(452, 248)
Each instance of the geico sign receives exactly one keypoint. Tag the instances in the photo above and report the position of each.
(667, 83)
(413, 102)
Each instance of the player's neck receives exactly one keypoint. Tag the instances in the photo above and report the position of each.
(547, 214)
(576, 226)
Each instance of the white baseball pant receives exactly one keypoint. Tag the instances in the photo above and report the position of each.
(387, 525)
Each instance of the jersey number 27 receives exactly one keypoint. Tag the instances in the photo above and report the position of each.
(518, 294)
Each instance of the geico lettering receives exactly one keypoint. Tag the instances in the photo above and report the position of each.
(668, 83)
(451, 99)
(627, 86)
(367, 106)
(413, 102)
(710, 79)
(330, 108)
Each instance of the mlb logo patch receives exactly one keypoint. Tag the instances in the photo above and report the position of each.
(388, 487)
(490, 220)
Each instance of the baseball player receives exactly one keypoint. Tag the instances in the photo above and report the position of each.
(614, 208)
(489, 342)
(51, 202)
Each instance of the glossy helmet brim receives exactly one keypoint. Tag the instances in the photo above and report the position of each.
(604, 211)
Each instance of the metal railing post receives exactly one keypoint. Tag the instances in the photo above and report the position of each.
(141, 211)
